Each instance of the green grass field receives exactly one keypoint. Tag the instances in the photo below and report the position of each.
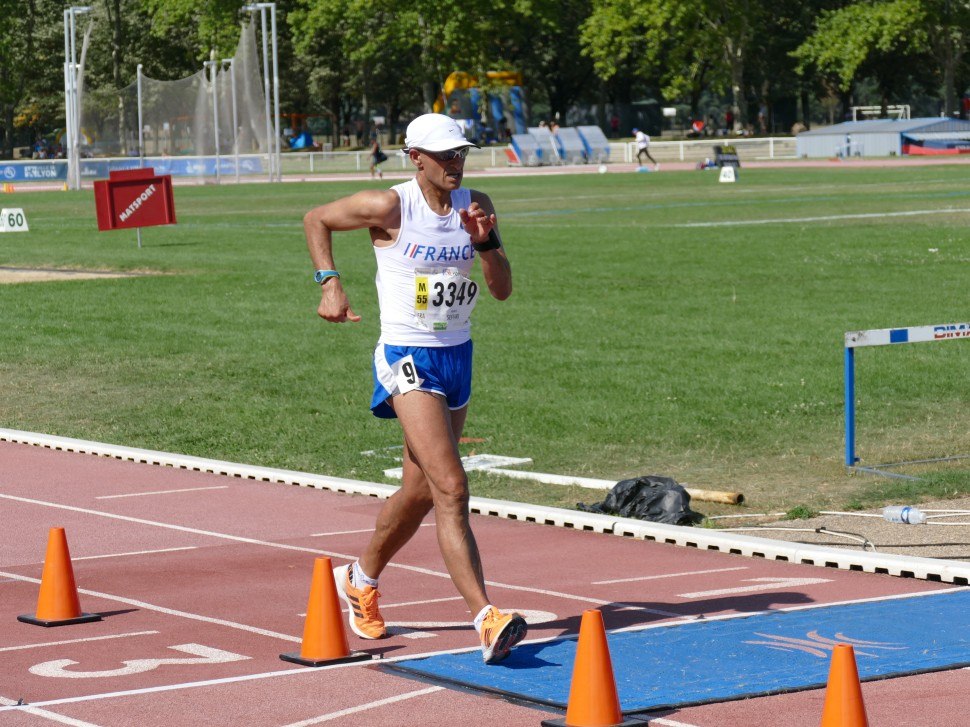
(661, 324)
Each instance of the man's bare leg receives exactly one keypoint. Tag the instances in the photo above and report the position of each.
(399, 518)
(403, 512)
(431, 432)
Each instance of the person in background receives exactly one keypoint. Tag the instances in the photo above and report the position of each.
(377, 157)
(643, 147)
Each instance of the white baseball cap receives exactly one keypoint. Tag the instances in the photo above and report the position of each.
(435, 132)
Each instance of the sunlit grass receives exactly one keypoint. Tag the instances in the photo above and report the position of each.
(634, 343)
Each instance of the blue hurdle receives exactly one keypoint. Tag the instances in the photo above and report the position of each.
(888, 337)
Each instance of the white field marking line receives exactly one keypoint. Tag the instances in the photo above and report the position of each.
(236, 679)
(670, 575)
(761, 584)
(168, 611)
(825, 218)
(671, 723)
(180, 528)
(355, 532)
(364, 707)
(421, 603)
(53, 716)
(426, 655)
(585, 599)
(385, 606)
(162, 492)
(76, 641)
(284, 546)
(777, 551)
(812, 606)
(135, 552)
(342, 532)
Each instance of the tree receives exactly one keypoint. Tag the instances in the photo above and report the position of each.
(947, 29)
(31, 67)
(690, 45)
(870, 38)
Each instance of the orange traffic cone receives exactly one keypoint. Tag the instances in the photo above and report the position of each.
(843, 695)
(324, 638)
(593, 701)
(58, 604)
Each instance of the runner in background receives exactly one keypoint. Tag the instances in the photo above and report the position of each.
(643, 147)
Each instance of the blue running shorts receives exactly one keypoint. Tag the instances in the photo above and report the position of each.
(445, 370)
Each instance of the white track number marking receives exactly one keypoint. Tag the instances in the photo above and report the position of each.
(203, 655)
(761, 584)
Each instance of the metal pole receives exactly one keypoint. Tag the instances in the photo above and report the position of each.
(849, 375)
(235, 115)
(276, 95)
(270, 144)
(141, 128)
(76, 103)
(215, 114)
(68, 104)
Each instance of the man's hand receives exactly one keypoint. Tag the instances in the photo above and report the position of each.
(476, 222)
(334, 306)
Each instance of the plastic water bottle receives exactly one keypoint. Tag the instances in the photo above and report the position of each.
(903, 514)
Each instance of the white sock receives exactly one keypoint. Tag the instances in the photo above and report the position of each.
(481, 617)
(359, 578)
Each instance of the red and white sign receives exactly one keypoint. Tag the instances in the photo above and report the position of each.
(134, 198)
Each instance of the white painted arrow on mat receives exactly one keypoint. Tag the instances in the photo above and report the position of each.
(761, 584)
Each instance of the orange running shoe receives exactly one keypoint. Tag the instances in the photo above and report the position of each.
(500, 632)
(365, 619)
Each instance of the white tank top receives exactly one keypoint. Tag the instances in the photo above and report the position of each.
(422, 280)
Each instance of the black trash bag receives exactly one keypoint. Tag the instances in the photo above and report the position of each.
(651, 497)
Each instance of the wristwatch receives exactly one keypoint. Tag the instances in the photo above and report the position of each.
(490, 243)
(320, 275)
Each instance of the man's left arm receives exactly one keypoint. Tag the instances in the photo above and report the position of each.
(480, 223)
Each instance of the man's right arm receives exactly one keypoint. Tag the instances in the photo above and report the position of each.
(370, 208)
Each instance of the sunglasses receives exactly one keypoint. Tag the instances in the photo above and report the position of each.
(447, 156)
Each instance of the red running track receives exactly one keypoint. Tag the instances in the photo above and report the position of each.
(203, 580)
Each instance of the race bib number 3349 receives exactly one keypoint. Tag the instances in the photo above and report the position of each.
(443, 298)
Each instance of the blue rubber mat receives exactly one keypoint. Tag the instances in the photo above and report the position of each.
(697, 662)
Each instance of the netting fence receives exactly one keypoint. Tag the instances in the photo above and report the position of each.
(211, 125)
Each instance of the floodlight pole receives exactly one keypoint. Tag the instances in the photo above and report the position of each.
(141, 128)
(235, 115)
(273, 144)
(213, 69)
(71, 101)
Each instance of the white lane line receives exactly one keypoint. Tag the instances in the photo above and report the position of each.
(670, 723)
(760, 584)
(356, 532)
(52, 716)
(421, 603)
(364, 707)
(161, 492)
(825, 218)
(429, 654)
(77, 641)
(385, 606)
(180, 528)
(317, 551)
(134, 552)
(168, 611)
(669, 575)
